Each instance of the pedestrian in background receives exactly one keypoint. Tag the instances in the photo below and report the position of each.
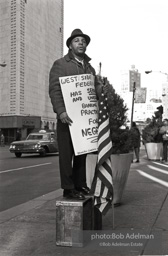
(2, 140)
(18, 135)
(76, 62)
(164, 131)
(136, 140)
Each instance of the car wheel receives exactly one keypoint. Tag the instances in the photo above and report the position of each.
(43, 153)
(18, 154)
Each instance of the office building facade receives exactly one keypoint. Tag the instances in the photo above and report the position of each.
(31, 39)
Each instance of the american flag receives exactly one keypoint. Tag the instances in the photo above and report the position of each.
(102, 185)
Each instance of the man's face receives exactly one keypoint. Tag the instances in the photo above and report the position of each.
(78, 45)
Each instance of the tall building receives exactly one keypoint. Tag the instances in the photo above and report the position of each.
(31, 38)
(127, 80)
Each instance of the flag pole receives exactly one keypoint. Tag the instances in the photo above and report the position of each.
(100, 65)
(113, 214)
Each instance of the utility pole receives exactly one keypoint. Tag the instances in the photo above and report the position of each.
(133, 99)
(135, 83)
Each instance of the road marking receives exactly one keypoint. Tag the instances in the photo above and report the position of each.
(161, 164)
(148, 176)
(26, 167)
(157, 169)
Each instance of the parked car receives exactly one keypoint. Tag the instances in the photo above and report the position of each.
(41, 142)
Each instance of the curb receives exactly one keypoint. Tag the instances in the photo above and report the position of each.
(22, 208)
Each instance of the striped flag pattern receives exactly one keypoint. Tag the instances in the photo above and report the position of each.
(102, 185)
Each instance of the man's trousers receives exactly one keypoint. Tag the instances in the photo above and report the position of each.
(72, 168)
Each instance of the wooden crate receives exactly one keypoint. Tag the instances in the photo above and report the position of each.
(72, 217)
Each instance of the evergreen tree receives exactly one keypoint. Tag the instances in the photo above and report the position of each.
(122, 139)
(117, 109)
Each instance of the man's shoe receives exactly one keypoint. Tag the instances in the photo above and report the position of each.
(73, 194)
(84, 190)
(137, 161)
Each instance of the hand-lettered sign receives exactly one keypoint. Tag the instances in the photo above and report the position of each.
(81, 106)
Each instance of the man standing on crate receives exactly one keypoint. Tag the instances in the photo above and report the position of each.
(76, 62)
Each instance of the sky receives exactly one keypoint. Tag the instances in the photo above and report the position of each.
(123, 33)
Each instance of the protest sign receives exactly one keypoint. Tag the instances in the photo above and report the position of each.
(81, 106)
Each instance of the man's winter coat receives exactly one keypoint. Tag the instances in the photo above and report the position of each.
(66, 66)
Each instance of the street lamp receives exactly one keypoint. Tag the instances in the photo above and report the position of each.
(3, 64)
(147, 72)
(150, 71)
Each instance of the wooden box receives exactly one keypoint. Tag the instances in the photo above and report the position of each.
(72, 217)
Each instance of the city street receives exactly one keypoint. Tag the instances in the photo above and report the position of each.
(28, 226)
(23, 179)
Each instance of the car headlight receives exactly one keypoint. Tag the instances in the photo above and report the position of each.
(12, 146)
(37, 145)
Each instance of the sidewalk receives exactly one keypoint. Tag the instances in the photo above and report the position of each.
(29, 229)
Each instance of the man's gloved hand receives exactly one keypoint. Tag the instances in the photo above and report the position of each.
(65, 118)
